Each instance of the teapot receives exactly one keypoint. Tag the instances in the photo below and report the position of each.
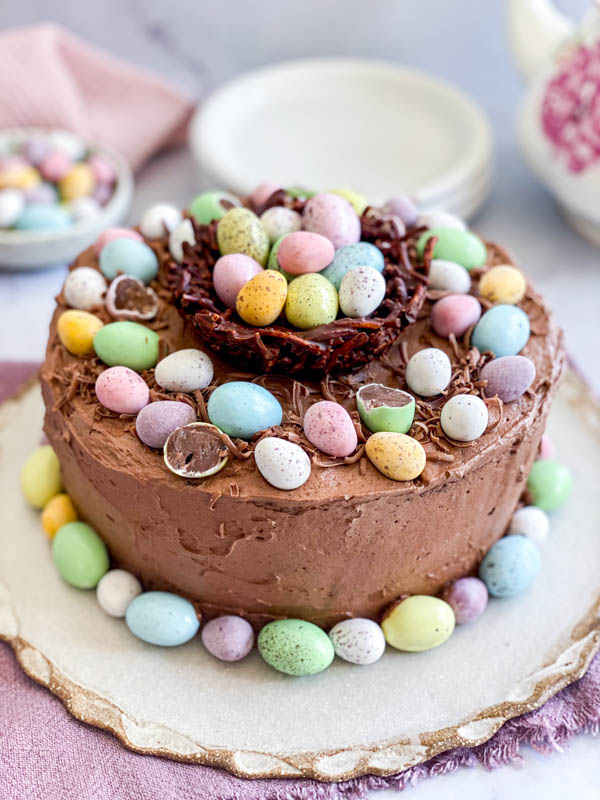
(558, 124)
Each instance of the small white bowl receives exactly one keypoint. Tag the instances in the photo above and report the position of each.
(21, 250)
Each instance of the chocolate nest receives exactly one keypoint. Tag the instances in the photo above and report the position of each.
(340, 345)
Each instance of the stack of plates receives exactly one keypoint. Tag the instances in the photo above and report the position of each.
(375, 127)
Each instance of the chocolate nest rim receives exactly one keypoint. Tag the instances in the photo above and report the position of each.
(343, 344)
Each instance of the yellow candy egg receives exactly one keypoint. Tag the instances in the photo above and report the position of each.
(241, 231)
(260, 301)
(503, 284)
(418, 623)
(312, 301)
(19, 177)
(76, 330)
(356, 200)
(57, 512)
(40, 477)
(396, 455)
(77, 182)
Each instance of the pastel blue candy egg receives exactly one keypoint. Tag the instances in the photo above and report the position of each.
(162, 618)
(40, 216)
(241, 409)
(130, 257)
(504, 330)
(360, 254)
(510, 566)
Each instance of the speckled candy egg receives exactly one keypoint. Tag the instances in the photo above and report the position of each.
(464, 417)
(84, 288)
(311, 301)
(509, 377)
(182, 234)
(333, 217)
(468, 598)
(240, 231)
(503, 284)
(330, 428)
(510, 566)
(273, 261)
(383, 408)
(40, 476)
(130, 257)
(456, 245)
(242, 409)
(402, 206)
(448, 277)
(160, 220)
(12, 204)
(209, 206)
(129, 298)
(115, 591)
(418, 623)
(122, 390)
(428, 372)
(455, 314)
(77, 330)
(549, 484)
(361, 292)
(440, 219)
(80, 555)
(78, 181)
(359, 641)
(283, 464)
(261, 300)
(503, 331)
(231, 273)
(295, 647)
(37, 217)
(228, 638)
(356, 200)
(184, 371)
(111, 234)
(304, 252)
(361, 254)
(127, 344)
(395, 455)
(157, 421)
(279, 220)
(162, 618)
(532, 522)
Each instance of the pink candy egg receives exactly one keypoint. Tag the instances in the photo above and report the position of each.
(122, 390)
(55, 165)
(102, 193)
(468, 598)
(333, 217)
(262, 193)
(229, 638)
(230, 273)
(546, 447)
(455, 314)
(330, 428)
(157, 421)
(303, 252)
(103, 170)
(115, 233)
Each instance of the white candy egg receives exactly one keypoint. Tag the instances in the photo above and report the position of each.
(183, 233)
(361, 291)
(428, 372)
(116, 590)
(159, 220)
(84, 208)
(283, 464)
(440, 219)
(68, 143)
(449, 276)
(464, 417)
(12, 203)
(84, 288)
(532, 522)
(184, 371)
(359, 641)
(279, 221)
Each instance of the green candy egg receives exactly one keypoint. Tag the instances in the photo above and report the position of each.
(311, 301)
(383, 408)
(127, 344)
(241, 231)
(209, 206)
(456, 245)
(549, 484)
(40, 476)
(298, 192)
(80, 555)
(418, 623)
(273, 262)
(295, 647)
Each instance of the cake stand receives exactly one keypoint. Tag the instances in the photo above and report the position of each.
(345, 722)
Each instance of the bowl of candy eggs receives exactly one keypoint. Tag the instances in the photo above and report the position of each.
(57, 193)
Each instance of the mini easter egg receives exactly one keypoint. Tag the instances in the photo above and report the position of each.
(295, 647)
(36, 149)
(510, 566)
(273, 261)
(77, 182)
(162, 618)
(530, 521)
(428, 372)
(455, 245)
(509, 377)
(231, 273)
(262, 193)
(418, 623)
(103, 193)
(455, 314)
(468, 598)
(179, 236)
(448, 276)
(40, 476)
(356, 200)
(57, 512)
(549, 484)
(210, 206)
(333, 217)
(129, 298)
(157, 421)
(261, 300)
(228, 638)
(303, 252)
(503, 284)
(361, 292)
(115, 591)
(241, 409)
(111, 234)
(84, 288)
(80, 555)
(279, 220)
(42, 194)
(383, 408)
(38, 217)
(329, 427)
(76, 331)
(19, 178)
(12, 204)
(55, 165)
(283, 464)
(127, 344)
(311, 301)
(122, 390)
(83, 208)
(300, 192)
(160, 220)
(68, 143)
(440, 219)
(359, 641)
(129, 257)
(503, 331)
(361, 254)
(184, 371)
(395, 455)
(464, 417)
(240, 231)
(104, 172)
(195, 451)
(546, 447)
(402, 206)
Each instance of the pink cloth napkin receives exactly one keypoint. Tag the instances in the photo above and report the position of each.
(48, 77)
